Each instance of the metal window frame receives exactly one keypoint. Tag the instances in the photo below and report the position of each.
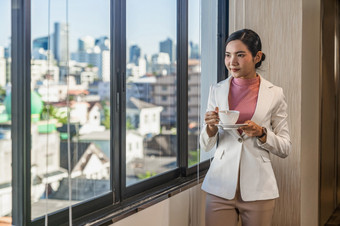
(222, 33)
(182, 84)
(222, 72)
(21, 108)
(120, 196)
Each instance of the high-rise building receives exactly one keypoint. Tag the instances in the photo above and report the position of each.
(103, 43)
(85, 43)
(41, 42)
(168, 47)
(8, 52)
(135, 53)
(194, 51)
(60, 42)
(164, 94)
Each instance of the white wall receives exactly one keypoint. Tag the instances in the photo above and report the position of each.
(310, 112)
(183, 209)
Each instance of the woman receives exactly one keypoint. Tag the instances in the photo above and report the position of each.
(240, 180)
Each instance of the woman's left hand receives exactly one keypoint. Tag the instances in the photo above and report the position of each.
(252, 129)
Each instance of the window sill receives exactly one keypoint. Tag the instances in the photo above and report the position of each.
(131, 206)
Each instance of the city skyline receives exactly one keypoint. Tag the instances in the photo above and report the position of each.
(157, 26)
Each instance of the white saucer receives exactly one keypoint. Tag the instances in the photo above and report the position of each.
(230, 126)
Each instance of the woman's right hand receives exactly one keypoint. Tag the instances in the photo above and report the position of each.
(211, 119)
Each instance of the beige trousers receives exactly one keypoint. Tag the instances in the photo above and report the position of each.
(224, 212)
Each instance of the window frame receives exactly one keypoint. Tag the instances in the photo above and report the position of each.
(120, 195)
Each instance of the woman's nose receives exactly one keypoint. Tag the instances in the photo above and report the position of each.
(233, 60)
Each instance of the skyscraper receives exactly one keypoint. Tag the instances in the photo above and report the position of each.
(85, 43)
(40, 43)
(168, 47)
(194, 51)
(103, 43)
(60, 41)
(134, 54)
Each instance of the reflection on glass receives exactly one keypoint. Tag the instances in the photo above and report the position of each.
(151, 89)
(70, 95)
(194, 81)
(5, 114)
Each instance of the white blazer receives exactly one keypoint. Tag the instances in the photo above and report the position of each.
(247, 154)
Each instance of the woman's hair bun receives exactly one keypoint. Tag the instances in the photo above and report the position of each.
(263, 57)
(258, 64)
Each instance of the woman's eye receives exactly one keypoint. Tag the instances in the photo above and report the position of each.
(227, 55)
(240, 55)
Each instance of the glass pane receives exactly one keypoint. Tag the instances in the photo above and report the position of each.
(194, 81)
(208, 44)
(5, 114)
(70, 74)
(151, 89)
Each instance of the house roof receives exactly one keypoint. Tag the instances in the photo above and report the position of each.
(77, 150)
(139, 104)
(85, 158)
(82, 189)
(94, 103)
(164, 144)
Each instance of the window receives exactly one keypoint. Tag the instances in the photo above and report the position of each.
(159, 48)
(194, 70)
(76, 107)
(70, 57)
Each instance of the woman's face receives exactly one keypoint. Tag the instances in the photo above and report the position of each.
(239, 61)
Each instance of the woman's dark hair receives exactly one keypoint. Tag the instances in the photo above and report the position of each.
(251, 39)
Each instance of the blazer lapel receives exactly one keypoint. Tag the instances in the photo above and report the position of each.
(222, 94)
(264, 100)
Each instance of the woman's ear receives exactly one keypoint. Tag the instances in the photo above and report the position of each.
(258, 57)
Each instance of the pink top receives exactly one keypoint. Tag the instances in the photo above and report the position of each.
(243, 97)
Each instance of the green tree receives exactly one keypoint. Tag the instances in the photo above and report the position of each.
(2, 93)
(146, 175)
(192, 159)
(50, 111)
(106, 121)
(129, 125)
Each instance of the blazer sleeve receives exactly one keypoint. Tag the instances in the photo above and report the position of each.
(206, 142)
(278, 139)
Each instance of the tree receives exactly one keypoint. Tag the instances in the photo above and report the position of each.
(49, 111)
(129, 124)
(2, 93)
(192, 159)
(106, 121)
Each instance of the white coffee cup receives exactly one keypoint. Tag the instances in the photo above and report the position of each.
(228, 117)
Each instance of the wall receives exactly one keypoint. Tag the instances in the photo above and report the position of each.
(290, 33)
(183, 209)
(310, 113)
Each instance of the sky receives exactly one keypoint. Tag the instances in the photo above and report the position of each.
(148, 21)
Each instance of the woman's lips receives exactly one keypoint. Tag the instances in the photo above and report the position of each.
(234, 70)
